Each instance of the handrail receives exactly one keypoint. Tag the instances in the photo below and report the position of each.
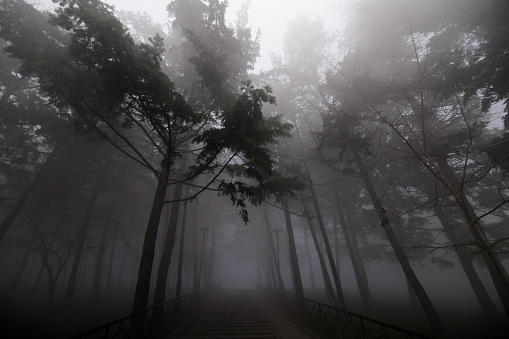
(331, 322)
(157, 321)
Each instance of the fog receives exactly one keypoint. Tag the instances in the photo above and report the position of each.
(349, 152)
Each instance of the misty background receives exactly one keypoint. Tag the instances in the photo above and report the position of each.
(350, 152)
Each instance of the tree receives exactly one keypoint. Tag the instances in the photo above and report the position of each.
(116, 90)
(432, 85)
(343, 136)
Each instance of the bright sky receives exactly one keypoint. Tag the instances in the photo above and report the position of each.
(271, 16)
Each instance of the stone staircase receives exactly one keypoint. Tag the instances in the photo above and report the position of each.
(232, 314)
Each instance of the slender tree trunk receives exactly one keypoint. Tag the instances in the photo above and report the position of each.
(294, 260)
(164, 263)
(495, 267)
(196, 285)
(270, 283)
(82, 236)
(464, 257)
(356, 251)
(272, 255)
(147, 256)
(45, 248)
(178, 288)
(310, 263)
(333, 265)
(269, 261)
(202, 259)
(427, 305)
(110, 263)
(212, 257)
(335, 221)
(99, 262)
(259, 268)
(358, 266)
(83, 270)
(13, 213)
(325, 274)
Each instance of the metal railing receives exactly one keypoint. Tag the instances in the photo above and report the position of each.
(155, 322)
(331, 322)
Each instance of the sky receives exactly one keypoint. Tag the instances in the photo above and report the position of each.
(270, 16)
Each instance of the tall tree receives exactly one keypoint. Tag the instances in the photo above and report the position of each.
(342, 136)
(116, 89)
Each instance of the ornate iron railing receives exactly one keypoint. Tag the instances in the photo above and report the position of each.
(155, 322)
(331, 322)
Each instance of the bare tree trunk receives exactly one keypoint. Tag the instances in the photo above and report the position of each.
(335, 222)
(357, 264)
(164, 263)
(357, 251)
(270, 283)
(495, 267)
(310, 264)
(325, 274)
(209, 281)
(333, 265)
(427, 305)
(147, 256)
(269, 261)
(98, 274)
(110, 263)
(196, 285)
(464, 257)
(178, 288)
(272, 251)
(294, 260)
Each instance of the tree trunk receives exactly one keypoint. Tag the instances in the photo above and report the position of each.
(465, 259)
(178, 288)
(356, 250)
(272, 251)
(335, 222)
(52, 279)
(429, 309)
(358, 266)
(294, 260)
(110, 263)
(196, 285)
(310, 263)
(496, 268)
(82, 236)
(202, 259)
(13, 213)
(325, 274)
(333, 265)
(147, 256)
(269, 261)
(99, 262)
(164, 263)
(209, 281)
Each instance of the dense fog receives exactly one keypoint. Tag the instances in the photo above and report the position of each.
(362, 165)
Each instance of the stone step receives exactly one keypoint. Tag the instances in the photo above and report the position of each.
(231, 316)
